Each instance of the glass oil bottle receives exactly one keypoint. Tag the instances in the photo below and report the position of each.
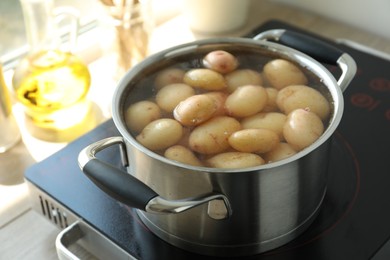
(9, 131)
(51, 83)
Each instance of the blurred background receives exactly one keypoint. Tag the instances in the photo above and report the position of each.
(13, 42)
(372, 16)
(107, 45)
(93, 15)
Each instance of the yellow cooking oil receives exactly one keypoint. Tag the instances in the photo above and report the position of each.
(52, 85)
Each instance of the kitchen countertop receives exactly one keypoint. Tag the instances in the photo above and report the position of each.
(24, 234)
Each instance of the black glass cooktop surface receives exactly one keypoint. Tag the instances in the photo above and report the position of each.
(354, 220)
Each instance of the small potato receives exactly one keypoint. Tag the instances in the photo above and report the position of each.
(205, 79)
(160, 134)
(254, 140)
(246, 101)
(302, 128)
(271, 101)
(171, 95)
(195, 110)
(301, 96)
(242, 77)
(182, 154)
(185, 137)
(281, 73)
(272, 121)
(231, 160)
(219, 101)
(220, 61)
(168, 76)
(280, 152)
(212, 136)
(139, 114)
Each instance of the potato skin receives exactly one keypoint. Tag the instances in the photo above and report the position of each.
(242, 77)
(246, 101)
(271, 105)
(272, 120)
(220, 61)
(254, 140)
(168, 76)
(219, 98)
(182, 154)
(233, 160)
(302, 128)
(205, 79)
(282, 73)
(139, 114)
(212, 136)
(195, 110)
(280, 152)
(160, 134)
(301, 96)
(171, 95)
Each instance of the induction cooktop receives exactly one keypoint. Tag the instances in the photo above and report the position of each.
(353, 222)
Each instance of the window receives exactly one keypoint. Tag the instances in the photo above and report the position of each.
(13, 43)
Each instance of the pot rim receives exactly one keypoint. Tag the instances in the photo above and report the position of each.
(280, 50)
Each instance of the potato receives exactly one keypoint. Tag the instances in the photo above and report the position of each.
(254, 140)
(280, 152)
(281, 73)
(219, 101)
(302, 128)
(182, 154)
(204, 79)
(272, 121)
(242, 77)
(139, 114)
(171, 95)
(160, 134)
(220, 61)
(271, 105)
(212, 136)
(168, 76)
(184, 140)
(301, 96)
(246, 101)
(195, 110)
(212, 111)
(233, 160)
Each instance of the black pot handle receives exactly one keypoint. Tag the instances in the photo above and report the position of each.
(127, 189)
(315, 48)
(111, 180)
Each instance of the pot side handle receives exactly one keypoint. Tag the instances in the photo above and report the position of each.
(127, 189)
(317, 49)
(113, 181)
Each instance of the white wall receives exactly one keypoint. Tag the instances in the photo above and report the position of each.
(370, 15)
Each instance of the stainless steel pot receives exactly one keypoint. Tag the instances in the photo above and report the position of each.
(215, 211)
